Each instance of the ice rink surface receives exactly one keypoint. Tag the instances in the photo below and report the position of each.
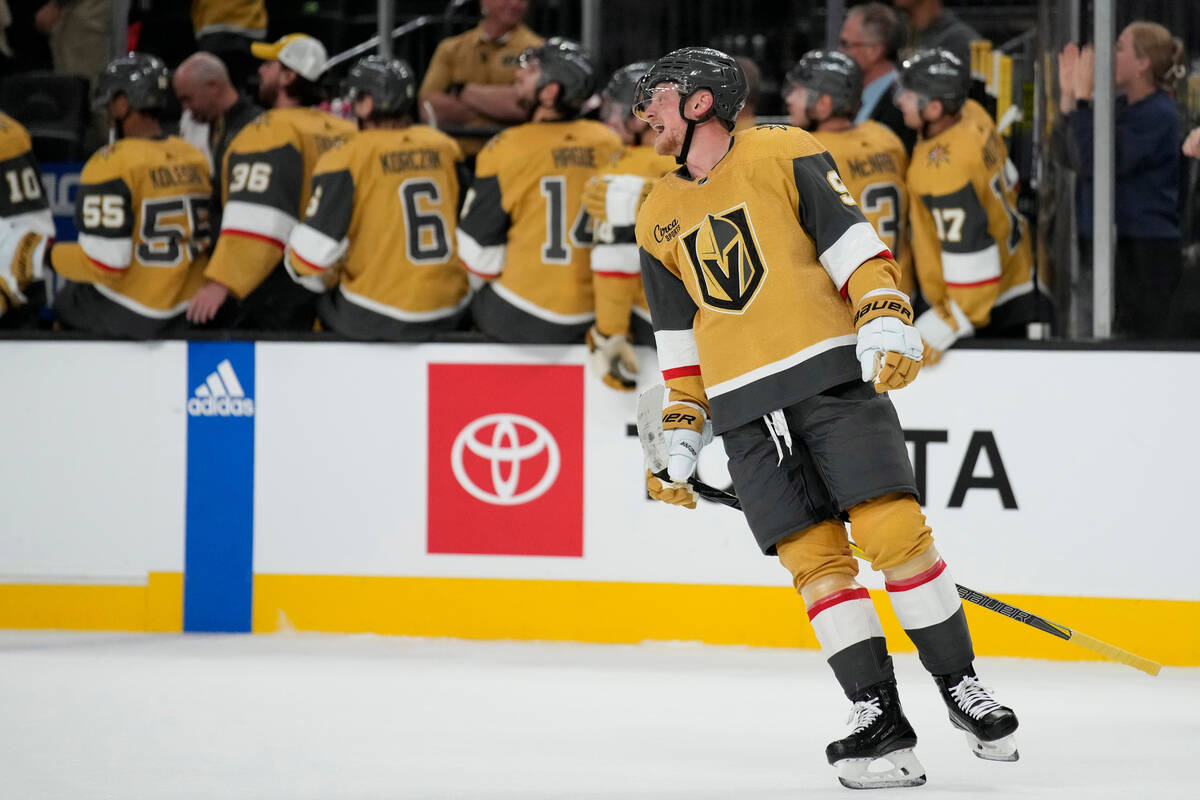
(321, 716)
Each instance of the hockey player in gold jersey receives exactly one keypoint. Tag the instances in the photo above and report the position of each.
(26, 227)
(524, 229)
(823, 95)
(971, 245)
(612, 198)
(266, 185)
(384, 206)
(142, 215)
(778, 317)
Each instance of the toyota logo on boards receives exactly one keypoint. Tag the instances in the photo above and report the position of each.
(505, 460)
(514, 440)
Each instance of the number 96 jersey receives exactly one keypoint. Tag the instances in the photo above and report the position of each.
(142, 215)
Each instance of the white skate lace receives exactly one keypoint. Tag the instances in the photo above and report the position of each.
(974, 698)
(863, 713)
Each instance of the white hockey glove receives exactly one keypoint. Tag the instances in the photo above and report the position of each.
(685, 431)
(613, 360)
(941, 327)
(615, 199)
(889, 347)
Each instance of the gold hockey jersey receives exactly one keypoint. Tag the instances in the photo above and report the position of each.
(244, 17)
(745, 272)
(524, 226)
(142, 215)
(265, 187)
(872, 162)
(970, 244)
(23, 206)
(386, 202)
(616, 268)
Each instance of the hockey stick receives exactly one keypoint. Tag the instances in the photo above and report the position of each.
(654, 449)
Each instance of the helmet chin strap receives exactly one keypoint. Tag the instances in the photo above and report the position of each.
(687, 142)
(681, 159)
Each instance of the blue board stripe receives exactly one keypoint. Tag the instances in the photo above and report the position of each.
(218, 584)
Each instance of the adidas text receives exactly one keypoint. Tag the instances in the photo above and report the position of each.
(220, 407)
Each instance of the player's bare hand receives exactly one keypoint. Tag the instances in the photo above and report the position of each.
(1191, 145)
(206, 303)
(1085, 73)
(1068, 63)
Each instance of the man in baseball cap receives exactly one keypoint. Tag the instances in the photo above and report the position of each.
(294, 64)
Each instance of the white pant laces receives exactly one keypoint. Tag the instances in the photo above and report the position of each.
(777, 426)
(973, 697)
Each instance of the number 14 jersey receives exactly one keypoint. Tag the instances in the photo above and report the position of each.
(524, 225)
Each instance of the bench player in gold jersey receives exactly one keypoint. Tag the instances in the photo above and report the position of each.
(26, 227)
(971, 245)
(778, 317)
(266, 185)
(142, 214)
(384, 206)
(611, 199)
(524, 229)
(823, 96)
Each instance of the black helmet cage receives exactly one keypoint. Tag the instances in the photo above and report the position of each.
(389, 82)
(691, 69)
(833, 73)
(566, 63)
(935, 74)
(143, 79)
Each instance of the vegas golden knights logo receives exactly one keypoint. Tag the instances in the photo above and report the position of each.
(725, 255)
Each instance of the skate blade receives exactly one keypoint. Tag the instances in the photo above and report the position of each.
(903, 769)
(1003, 749)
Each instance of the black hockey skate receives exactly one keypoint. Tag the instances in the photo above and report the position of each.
(989, 726)
(881, 737)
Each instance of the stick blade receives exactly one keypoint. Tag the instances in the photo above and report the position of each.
(649, 424)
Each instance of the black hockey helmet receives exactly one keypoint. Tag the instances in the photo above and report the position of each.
(691, 69)
(833, 73)
(621, 85)
(389, 82)
(566, 63)
(143, 79)
(936, 74)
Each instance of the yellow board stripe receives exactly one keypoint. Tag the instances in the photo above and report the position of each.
(589, 611)
(155, 607)
(633, 612)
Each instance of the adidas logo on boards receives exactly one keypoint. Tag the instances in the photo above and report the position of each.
(221, 395)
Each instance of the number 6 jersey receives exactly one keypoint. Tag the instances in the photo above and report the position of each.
(384, 205)
(142, 216)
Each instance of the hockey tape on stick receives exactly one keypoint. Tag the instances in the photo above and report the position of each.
(654, 449)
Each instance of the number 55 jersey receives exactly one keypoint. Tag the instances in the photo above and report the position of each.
(142, 215)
